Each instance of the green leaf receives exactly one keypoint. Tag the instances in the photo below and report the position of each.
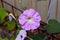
(0, 38)
(52, 21)
(53, 26)
(2, 14)
(10, 25)
(37, 37)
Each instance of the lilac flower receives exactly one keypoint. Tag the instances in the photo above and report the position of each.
(29, 19)
(10, 18)
(22, 34)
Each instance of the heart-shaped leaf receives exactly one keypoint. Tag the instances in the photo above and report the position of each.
(37, 36)
(10, 25)
(53, 26)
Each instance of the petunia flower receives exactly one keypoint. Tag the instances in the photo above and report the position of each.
(21, 36)
(29, 19)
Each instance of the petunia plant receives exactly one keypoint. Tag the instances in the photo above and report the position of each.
(26, 27)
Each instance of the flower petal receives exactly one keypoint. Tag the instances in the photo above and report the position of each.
(22, 19)
(26, 26)
(29, 12)
(37, 17)
(22, 16)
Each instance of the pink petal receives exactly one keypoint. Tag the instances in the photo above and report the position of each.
(29, 12)
(22, 16)
(22, 22)
(37, 17)
(26, 26)
(22, 19)
(36, 23)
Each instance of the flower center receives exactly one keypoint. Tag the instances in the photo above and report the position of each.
(21, 36)
(29, 19)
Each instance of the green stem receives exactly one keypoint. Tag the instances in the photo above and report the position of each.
(29, 38)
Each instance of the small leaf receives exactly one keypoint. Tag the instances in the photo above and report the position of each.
(2, 14)
(10, 25)
(37, 36)
(53, 26)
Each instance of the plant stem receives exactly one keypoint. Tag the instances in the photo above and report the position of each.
(29, 38)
